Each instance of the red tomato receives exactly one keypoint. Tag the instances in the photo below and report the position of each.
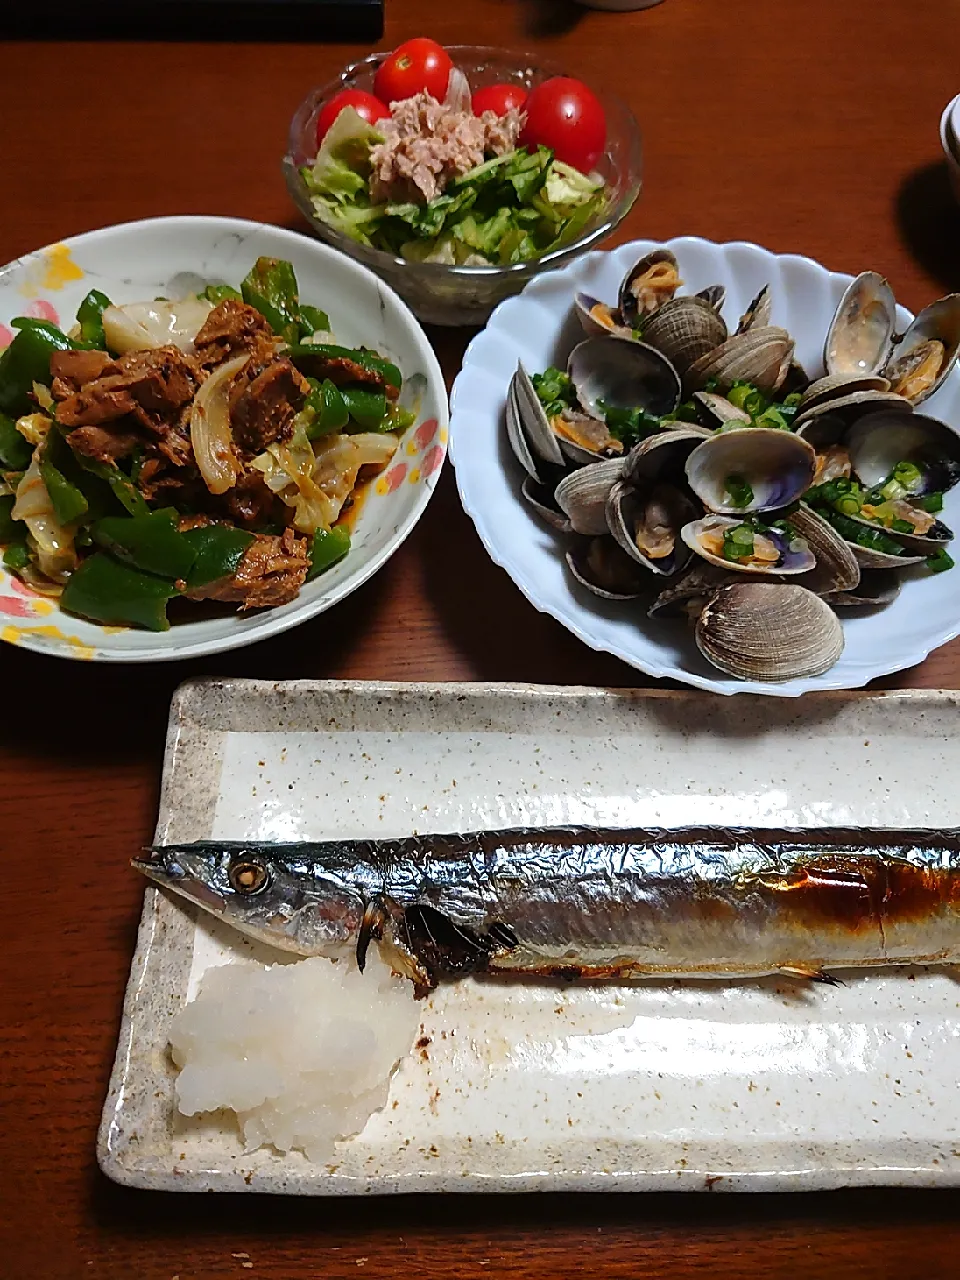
(418, 65)
(564, 115)
(365, 105)
(499, 98)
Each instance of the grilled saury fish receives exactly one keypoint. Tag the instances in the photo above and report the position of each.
(620, 904)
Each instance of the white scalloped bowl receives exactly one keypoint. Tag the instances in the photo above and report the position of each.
(539, 328)
(170, 256)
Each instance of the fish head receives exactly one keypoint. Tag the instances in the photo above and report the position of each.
(276, 899)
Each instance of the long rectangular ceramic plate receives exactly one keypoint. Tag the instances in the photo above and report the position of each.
(753, 1086)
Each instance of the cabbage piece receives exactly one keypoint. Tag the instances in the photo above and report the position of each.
(568, 186)
(137, 325)
(342, 166)
(52, 541)
(210, 432)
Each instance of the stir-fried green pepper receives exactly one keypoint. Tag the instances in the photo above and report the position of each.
(271, 287)
(90, 318)
(329, 546)
(26, 361)
(366, 407)
(327, 407)
(307, 355)
(124, 490)
(149, 542)
(67, 501)
(9, 528)
(217, 550)
(398, 418)
(220, 292)
(15, 452)
(16, 556)
(106, 590)
(312, 320)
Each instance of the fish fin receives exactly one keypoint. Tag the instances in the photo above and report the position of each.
(383, 922)
(811, 975)
(371, 927)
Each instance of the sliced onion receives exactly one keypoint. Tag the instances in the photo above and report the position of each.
(137, 325)
(210, 431)
(53, 541)
(33, 426)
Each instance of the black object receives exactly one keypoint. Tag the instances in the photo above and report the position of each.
(262, 20)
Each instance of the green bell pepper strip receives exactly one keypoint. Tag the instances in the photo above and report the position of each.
(124, 490)
(367, 408)
(149, 542)
(217, 550)
(328, 407)
(107, 590)
(271, 287)
(10, 529)
(90, 319)
(26, 361)
(302, 352)
(67, 501)
(397, 418)
(220, 292)
(15, 451)
(16, 556)
(329, 546)
(312, 320)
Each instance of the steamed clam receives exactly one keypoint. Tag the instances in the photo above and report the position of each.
(675, 454)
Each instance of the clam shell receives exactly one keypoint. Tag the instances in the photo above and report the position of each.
(518, 439)
(836, 568)
(867, 558)
(769, 631)
(542, 499)
(597, 318)
(582, 495)
(836, 386)
(648, 285)
(663, 455)
(605, 569)
(879, 442)
(584, 439)
(876, 587)
(713, 295)
(939, 322)
(687, 597)
(757, 315)
(661, 507)
(777, 465)
(717, 410)
(756, 357)
(624, 374)
(684, 329)
(850, 408)
(861, 332)
(799, 561)
(531, 421)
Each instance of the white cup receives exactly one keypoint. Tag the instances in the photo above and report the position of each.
(950, 141)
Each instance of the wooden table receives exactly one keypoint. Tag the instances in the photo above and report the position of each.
(807, 128)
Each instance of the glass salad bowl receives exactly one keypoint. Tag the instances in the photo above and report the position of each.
(461, 295)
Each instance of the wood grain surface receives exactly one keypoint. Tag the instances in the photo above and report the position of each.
(808, 128)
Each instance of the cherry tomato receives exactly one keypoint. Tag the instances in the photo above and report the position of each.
(564, 115)
(418, 66)
(499, 98)
(365, 104)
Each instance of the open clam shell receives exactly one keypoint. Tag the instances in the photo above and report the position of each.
(648, 285)
(762, 356)
(861, 333)
(622, 374)
(757, 315)
(528, 427)
(836, 567)
(927, 351)
(705, 537)
(716, 410)
(713, 295)
(847, 409)
(543, 500)
(769, 631)
(687, 596)
(878, 443)
(646, 522)
(837, 386)
(582, 495)
(876, 587)
(662, 456)
(684, 329)
(776, 465)
(604, 568)
(598, 319)
(584, 439)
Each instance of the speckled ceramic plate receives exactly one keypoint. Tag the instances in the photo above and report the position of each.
(171, 257)
(756, 1086)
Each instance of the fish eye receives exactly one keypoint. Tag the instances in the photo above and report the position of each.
(247, 876)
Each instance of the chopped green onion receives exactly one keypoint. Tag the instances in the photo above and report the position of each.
(907, 474)
(932, 502)
(940, 561)
(739, 490)
(901, 526)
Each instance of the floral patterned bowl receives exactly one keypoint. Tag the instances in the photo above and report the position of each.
(171, 257)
